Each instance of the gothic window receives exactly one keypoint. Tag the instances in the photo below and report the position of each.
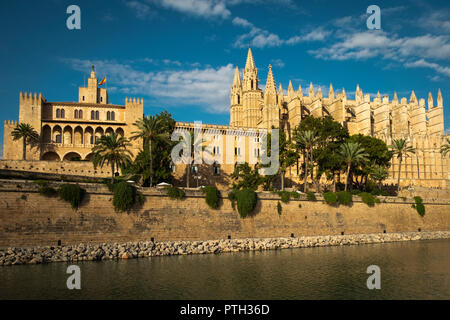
(63, 113)
(239, 99)
(108, 115)
(58, 113)
(96, 115)
(92, 115)
(76, 114)
(80, 114)
(113, 116)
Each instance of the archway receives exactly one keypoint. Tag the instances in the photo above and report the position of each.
(89, 135)
(50, 156)
(120, 132)
(78, 135)
(46, 134)
(109, 130)
(68, 135)
(57, 134)
(98, 133)
(72, 156)
(89, 156)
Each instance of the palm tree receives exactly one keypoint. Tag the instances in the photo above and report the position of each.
(111, 148)
(150, 129)
(378, 173)
(445, 148)
(400, 149)
(306, 140)
(28, 134)
(352, 153)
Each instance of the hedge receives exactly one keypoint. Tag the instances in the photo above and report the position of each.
(175, 193)
(246, 201)
(310, 196)
(72, 193)
(344, 197)
(330, 197)
(367, 198)
(212, 196)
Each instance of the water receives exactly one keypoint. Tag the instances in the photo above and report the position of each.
(409, 270)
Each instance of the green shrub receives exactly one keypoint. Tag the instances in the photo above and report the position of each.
(212, 196)
(279, 208)
(367, 198)
(175, 193)
(344, 197)
(330, 198)
(232, 198)
(310, 196)
(377, 200)
(44, 188)
(295, 195)
(355, 192)
(124, 196)
(246, 201)
(420, 207)
(72, 193)
(285, 196)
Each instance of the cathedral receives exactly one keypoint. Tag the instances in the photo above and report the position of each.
(421, 125)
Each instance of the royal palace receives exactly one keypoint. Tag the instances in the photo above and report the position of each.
(68, 130)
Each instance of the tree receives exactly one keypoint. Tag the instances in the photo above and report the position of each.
(378, 154)
(287, 155)
(445, 148)
(378, 173)
(306, 140)
(26, 132)
(150, 129)
(111, 148)
(401, 150)
(352, 153)
(244, 177)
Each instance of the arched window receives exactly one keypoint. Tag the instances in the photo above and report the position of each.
(96, 115)
(108, 115)
(58, 113)
(92, 115)
(76, 114)
(63, 113)
(80, 114)
(113, 116)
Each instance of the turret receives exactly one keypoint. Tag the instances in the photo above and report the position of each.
(430, 101)
(300, 91)
(319, 93)
(331, 92)
(311, 90)
(413, 98)
(270, 92)
(440, 102)
(250, 81)
(236, 89)
(290, 90)
(395, 100)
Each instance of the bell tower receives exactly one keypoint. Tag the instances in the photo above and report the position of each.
(251, 94)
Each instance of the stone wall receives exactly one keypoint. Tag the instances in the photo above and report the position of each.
(78, 168)
(29, 219)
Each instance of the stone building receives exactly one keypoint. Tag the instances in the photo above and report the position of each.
(69, 130)
(422, 126)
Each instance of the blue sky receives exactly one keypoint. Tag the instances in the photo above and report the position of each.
(180, 55)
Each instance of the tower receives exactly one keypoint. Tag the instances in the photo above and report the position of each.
(270, 110)
(92, 93)
(236, 100)
(251, 94)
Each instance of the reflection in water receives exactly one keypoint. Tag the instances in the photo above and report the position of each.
(409, 270)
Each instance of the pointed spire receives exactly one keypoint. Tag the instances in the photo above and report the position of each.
(290, 90)
(270, 83)
(311, 90)
(413, 98)
(378, 94)
(237, 78)
(357, 88)
(319, 92)
(343, 93)
(270, 92)
(440, 101)
(250, 64)
(280, 90)
(331, 92)
(300, 91)
(430, 101)
(395, 97)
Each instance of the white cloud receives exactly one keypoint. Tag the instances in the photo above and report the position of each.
(425, 64)
(277, 63)
(207, 87)
(261, 38)
(141, 10)
(200, 8)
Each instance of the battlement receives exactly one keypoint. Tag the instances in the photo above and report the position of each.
(138, 101)
(11, 123)
(31, 98)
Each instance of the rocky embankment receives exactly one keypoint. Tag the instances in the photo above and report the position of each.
(130, 250)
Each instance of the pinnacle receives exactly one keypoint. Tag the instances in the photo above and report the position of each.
(250, 64)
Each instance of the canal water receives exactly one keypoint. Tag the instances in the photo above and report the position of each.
(409, 270)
